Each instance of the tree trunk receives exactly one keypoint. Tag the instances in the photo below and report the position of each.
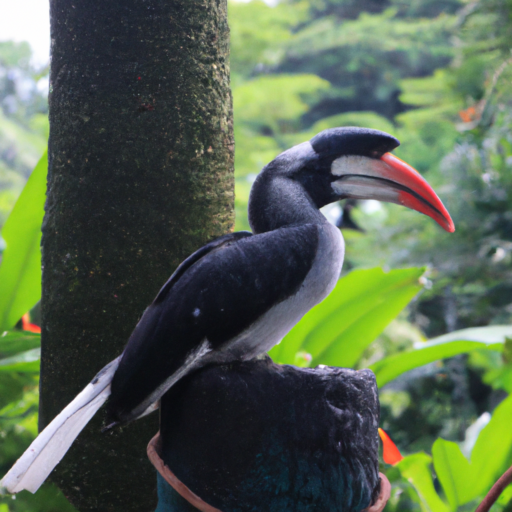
(140, 175)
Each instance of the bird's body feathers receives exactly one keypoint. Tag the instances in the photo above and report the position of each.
(205, 316)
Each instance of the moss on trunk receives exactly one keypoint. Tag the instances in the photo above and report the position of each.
(140, 175)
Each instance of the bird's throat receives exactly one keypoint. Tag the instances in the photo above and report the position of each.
(276, 202)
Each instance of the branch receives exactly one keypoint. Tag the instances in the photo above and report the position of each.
(495, 491)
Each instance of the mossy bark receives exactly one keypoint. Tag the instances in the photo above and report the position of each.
(140, 176)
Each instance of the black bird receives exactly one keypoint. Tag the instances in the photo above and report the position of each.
(345, 220)
(239, 295)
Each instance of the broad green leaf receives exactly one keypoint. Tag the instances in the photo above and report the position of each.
(494, 446)
(20, 271)
(464, 481)
(26, 362)
(454, 472)
(339, 329)
(13, 342)
(350, 312)
(342, 337)
(490, 334)
(500, 378)
(506, 496)
(357, 282)
(448, 345)
(393, 366)
(349, 346)
(416, 469)
(347, 288)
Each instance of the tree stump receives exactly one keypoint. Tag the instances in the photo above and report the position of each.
(256, 436)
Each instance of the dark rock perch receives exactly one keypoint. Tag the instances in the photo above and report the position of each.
(256, 436)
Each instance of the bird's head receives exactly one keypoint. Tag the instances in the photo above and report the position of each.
(352, 162)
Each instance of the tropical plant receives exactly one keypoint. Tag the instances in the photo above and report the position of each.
(20, 290)
(437, 75)
(23, 120)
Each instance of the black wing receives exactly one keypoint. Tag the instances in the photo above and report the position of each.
(195, 257)
(222, 290)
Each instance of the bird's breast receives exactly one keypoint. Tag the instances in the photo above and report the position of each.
(270, 328)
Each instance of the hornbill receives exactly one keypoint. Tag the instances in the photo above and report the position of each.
(240, 294)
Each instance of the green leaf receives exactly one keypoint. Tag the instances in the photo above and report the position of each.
(464, 481)
(493, 447)
(357, 282)
(506, 496)
(500, 378)
(349, 345)
(454, 472)
(416, 469)
(442, 347)
(489, 335)
(21, 414)
(338, 330)
(13, 342)
(20, 272)
(26, 362)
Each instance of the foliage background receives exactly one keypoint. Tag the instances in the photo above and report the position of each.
(436, 74)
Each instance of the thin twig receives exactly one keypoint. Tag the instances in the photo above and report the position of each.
(496, 490)
(465, 12)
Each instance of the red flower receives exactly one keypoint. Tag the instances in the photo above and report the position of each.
(390, 453)
(27, 326)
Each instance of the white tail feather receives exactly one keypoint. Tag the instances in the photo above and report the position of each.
(46, 451)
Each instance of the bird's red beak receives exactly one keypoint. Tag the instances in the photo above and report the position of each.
(417, 193)
(388, 179)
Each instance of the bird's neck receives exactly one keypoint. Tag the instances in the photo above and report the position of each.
(277, 202)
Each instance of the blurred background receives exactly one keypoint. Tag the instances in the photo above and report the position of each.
(437, 75)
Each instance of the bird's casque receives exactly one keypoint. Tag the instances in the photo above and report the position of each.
(240, 294)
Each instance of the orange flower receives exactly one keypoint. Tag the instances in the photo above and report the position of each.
(468, 115)
(27, 326)
(390, 453)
